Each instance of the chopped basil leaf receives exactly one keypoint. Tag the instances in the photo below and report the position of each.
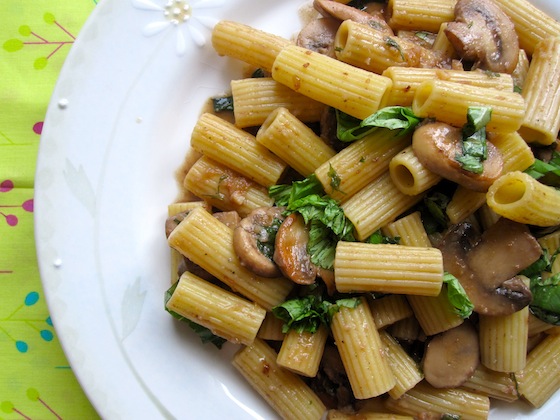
(433, 209)
(335, 179)
(377, 237)
(326, 219)
(392, 117)
(308, 313)
(258, 73)
(457, 296)
(267, 247)
(474, 146)
(546, 172)
(392, 43)
(206, 336)
(223, 103)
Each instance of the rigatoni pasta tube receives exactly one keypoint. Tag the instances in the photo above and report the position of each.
(389, 309)
(435, 314)
(503, 341)
(387, 268)
(449, 102)
(531, 24)
(225, 143)
(519, 197)
(354, 91)
(377, 204)
(409, 175)
(224, 188)
(406, 371)
(359, 163)
(222, 312)
(406, 81)
(542, 119)
(420, 15)
(293, 142)
(209, 243)
(362, 351)
(256, 97)
(409, 229)
(365, 47)
(285, 391)
(301, 352)
(541, 377)
(498, 385)
(424, 398)
(253, 46)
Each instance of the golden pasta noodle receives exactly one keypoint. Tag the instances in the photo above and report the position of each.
(519, 197)
(361, 351)
(223, 142)
(389, 309)
(409, 175)
(541, 376)
(420, 15)
(387, 268)
(540, 91)
(224, 313)
(449, 102)
(355, 91)
(224, 188)
(293, 142)
(253, 46)
(503, 341)
(301, 352)
(285, 391)
(254, 99)
(358, 164)
(209, 243)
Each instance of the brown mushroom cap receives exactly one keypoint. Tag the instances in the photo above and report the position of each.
(290, 251)
(250, 231)
(340, 11)
(436, 146)
(452, 357)
(318, 35)
(487, 265)
(483, 33)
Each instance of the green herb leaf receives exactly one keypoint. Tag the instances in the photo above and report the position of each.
(457, 296)
(546, 172)
(377, 237)
(206, 336)
(327, 221)
(393, 117)
(546, 298)
(474, 147)
(223, 103)
(309, 312)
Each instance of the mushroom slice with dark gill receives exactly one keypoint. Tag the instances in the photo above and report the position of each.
(342, 12)
(253, 240)
(452, 356)
(290, 251)
(487, 265)
(318, 35)
(436, 145)
(484, 34)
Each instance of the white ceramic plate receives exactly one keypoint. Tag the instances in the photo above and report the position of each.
(117, 127)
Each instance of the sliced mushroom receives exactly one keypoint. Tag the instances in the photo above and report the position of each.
(452, 357)
(290, 251)
(172, 221)
(487, 265)
(229, 218)
(484, 34)
(318, 35)
(340, 11)
(436, 145)
(253, 235)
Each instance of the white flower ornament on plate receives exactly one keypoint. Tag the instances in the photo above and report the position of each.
(183, 15)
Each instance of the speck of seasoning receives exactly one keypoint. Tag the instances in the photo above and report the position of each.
(306, 65)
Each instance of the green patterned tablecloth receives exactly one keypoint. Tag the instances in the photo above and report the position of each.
(36, 381)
